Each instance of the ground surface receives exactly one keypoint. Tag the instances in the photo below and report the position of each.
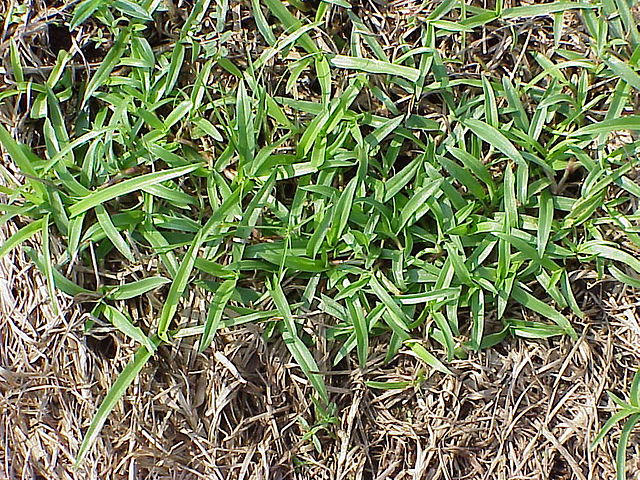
(520, 410)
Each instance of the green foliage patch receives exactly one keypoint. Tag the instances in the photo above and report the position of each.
(442, 232)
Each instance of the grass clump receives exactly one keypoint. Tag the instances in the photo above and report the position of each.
(439, 226)
(628, 411)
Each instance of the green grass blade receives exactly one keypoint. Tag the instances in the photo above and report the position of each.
(216, 310)
(84, 10)
(427, 357)
(137, 288)
(601, 249)
(545, 220)
(439, 294)
(396, 183)
(621, 450)
(131, 185)
(490, 105)
(173, 69)
(369, 65)
(447, 333)
(20, 236)
(634, 392)
(296, 346)
(417, 204)
(397, 320)
(623, 70)
(116, 391)
(629, 122)
(19, 156)
(161, 247)
(361, 330)
(183, 274)
(532, 303)
(623, 277)
(245, 126)
(61, 282)
(16, 65)
(126, 326)
(342, 210)
(495, 138)
(112, 233)
(477, 315)
(132, 10)
(261, 23)
(108, 64)
(400, 385)
(48, 265)
(291, 23)
(544, 9)
(609, 424)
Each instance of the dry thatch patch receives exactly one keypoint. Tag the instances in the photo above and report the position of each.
(520, 410)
